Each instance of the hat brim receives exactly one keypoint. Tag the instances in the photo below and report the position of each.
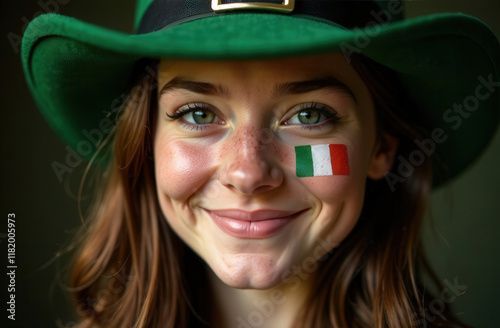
(79, 72)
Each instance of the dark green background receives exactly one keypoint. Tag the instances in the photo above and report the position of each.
(464, 245)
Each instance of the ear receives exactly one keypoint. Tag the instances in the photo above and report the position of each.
(383, 157)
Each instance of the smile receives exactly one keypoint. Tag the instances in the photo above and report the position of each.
(252, 225)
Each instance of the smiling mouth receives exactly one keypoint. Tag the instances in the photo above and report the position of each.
(252, 225)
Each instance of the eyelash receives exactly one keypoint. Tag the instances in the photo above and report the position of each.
(189, 108)
(329, 113)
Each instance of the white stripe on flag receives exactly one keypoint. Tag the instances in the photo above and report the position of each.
(322, 164)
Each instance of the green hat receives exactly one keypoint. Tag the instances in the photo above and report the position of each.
(79, 72)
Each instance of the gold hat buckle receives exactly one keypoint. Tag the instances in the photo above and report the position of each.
(286, 7)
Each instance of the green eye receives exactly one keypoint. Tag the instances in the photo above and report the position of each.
(196, 114)
(200, 116)
(312, 113)
(308, 116)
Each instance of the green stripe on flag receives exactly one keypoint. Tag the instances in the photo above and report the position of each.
(304, 162)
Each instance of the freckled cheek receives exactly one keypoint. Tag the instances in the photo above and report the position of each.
(181, 168)
(286, 155)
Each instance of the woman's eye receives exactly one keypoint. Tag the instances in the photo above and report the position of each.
(312, 114)
(196, 114)
(307, 116)
(200, 116)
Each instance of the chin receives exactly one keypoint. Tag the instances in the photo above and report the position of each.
(250, 271)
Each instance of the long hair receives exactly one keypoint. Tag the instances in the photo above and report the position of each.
(133, 271)
(128, 262)
(374, 278)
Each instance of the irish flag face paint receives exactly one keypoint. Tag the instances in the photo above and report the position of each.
(321, 160)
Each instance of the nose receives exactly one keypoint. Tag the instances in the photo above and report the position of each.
(252, 164)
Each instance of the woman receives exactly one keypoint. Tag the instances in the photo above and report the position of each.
(213, 209)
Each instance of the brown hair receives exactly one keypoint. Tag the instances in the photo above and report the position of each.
(128, 261)
(373, 278)
(132, 270)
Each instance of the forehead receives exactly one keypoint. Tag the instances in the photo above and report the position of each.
(263, 70)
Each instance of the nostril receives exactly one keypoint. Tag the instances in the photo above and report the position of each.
(251, 175)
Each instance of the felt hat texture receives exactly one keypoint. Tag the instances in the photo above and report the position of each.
(78, 72)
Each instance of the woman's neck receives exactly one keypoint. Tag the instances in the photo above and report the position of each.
(248, 308)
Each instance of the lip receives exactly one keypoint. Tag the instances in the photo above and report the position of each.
(252, 225)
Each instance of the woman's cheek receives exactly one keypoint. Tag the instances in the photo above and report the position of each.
(181, 168)
(340, 196)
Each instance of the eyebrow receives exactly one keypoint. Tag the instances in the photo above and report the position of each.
(281, 89)
(193, 86)
(299, 87)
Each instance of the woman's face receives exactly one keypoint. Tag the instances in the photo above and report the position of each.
(225, 161)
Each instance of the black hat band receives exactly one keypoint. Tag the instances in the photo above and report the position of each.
(350, 14)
